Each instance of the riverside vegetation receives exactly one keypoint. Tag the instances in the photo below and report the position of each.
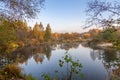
(15, 34)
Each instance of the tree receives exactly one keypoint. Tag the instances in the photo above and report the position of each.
(97, 11)
(48, 35)
(7, 32)
(20, 9)
(7, 36)
(41, 32)
(38, 31)
(21, 28)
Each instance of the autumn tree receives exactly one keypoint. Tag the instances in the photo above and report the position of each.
(36, 30)
(21, 28)
(7, 36)
(48, 35)
(7, 32)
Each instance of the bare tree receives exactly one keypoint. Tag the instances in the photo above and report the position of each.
(20, 9)
(103, 13)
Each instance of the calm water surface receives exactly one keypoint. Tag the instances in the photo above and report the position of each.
(97, 64)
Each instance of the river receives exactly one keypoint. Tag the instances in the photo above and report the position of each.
(97, 64)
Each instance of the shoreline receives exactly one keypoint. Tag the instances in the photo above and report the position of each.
(104, 45)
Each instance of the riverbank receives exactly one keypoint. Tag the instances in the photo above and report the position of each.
(100, 45)
(104, 45)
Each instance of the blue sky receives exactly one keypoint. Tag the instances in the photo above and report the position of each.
(63, 15)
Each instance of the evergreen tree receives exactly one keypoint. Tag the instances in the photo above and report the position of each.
(41, 32)
(36, 30)
(48, 33)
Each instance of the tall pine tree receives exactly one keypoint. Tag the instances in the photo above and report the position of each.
(48, 33)
(41, 32)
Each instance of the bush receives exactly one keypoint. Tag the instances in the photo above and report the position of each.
(12, 71)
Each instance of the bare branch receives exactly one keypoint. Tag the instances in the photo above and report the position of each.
(20, 9)
(101, 12)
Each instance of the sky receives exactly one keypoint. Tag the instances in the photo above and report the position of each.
(62, 15)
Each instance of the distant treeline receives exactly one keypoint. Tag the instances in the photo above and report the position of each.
(17, 33)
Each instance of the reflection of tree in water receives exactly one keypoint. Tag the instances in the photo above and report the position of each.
(41, 51)
(48, 51)
(39, 54)
(21, 55)
(111, 61)
(68, 46)
(38, 57)
(84, 44)
(96, 54)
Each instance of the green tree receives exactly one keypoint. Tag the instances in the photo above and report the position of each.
(41, 32)
(7, 32)
(36, 31)
(7, 36)
(48, 35)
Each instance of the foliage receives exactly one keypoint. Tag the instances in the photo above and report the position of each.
(97, 10)
(116, 43)
(20, 9)
(68, 37)
(7, 31)
(38, 32)
(41, 33)
(73, 69)
(48, 33)
(30, 77)
(21, 28)
(107, 35)
(12, 33)
(14, 72)
(11, 71)
(47, 77)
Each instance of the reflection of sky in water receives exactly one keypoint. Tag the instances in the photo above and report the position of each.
(92, 69)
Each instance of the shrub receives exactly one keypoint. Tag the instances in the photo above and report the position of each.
(12, 71)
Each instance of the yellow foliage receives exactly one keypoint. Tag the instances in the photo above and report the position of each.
(13, 70)
(13, 45)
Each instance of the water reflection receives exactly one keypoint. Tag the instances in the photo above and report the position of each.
(67, 46)
(111, 61)
(39, 52)
(96, 54)
(105, 59)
